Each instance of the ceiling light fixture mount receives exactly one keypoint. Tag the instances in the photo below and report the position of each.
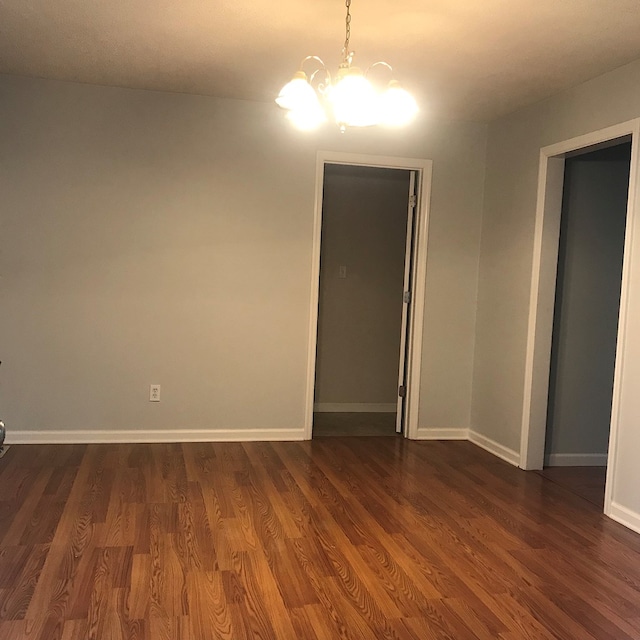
(349, 97)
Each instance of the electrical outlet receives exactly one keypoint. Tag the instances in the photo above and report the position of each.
(154, 393)
(342, 271)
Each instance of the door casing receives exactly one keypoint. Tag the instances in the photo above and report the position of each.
(423, 168)
(542, 293)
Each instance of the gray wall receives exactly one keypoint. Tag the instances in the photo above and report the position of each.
(513, 154)
(149, 237)
(585, 330)
(364, 223)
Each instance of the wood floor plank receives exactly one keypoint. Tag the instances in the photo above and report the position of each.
(12, 563)
(481, 621)
(209, 613)
(272, 484)
(138, 600)
(269, 593)
(353, 538)
(170, 628)
(13, 630)
(15, 599)
(74, 630)
(608, 596)
(72, 539)
(29, 512)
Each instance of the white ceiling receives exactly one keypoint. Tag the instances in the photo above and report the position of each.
(468, 59)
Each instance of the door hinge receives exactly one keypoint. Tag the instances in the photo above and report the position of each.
(402, 391)
(406, 297)
(413, 200)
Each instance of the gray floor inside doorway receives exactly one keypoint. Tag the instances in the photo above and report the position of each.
(354, 424)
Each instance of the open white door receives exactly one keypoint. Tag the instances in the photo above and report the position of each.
(406, 302)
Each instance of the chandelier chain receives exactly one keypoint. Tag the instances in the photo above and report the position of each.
(347, 29)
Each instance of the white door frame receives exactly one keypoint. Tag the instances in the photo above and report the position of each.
(543, 287)
(414, 348)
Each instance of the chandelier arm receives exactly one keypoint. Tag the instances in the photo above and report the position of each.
(381, 63)
(321, 86)
(316, 58)
(313, 77)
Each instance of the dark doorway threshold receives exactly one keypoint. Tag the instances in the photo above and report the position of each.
(354, 424)
(586, 482)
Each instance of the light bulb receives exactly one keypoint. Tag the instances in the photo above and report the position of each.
(397, 106)
(353, 100)
(296, 93)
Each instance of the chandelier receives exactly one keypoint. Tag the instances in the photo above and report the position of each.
(349, 98)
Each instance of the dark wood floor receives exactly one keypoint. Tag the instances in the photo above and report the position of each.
(332, 538)
(586, 482)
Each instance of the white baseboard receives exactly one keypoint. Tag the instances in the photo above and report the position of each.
(424, 433)
(132, 436)
(355, 407)
(506, 454)
(624, 516)
(576, 460)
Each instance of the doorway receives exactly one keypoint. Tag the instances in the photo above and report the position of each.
(367, 224)
(365, 349)
(543, 290)
(585, 323)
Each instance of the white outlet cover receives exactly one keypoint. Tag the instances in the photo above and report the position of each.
(154, 393)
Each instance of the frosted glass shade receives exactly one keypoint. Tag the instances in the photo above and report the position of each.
(353, 100)
(297, 93)
(397, 106)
